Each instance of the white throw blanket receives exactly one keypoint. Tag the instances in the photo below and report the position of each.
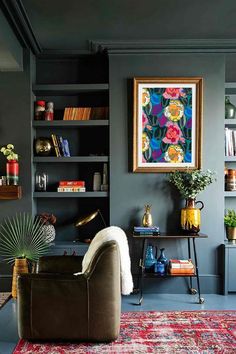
(112, 233)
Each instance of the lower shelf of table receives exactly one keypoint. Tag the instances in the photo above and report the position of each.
(153, 275)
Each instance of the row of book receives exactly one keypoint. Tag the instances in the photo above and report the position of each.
(71, 186)
(85, 113)
(146, 231)
(230, 142)
(61, 146)
(181, 266)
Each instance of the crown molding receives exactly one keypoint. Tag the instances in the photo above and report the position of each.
(15, 13)
(164, 46)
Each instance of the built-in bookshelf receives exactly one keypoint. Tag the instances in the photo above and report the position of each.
(88, 141)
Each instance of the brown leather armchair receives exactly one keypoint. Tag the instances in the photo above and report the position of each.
(54, 304)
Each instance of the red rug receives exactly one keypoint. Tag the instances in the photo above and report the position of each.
(184, 332)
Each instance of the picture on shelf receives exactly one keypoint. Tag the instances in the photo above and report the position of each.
(167, 124)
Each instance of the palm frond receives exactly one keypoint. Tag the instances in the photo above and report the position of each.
(22, 236)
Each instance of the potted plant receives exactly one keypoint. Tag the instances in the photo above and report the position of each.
(21, 241)
(190, 184)
(12, 166)
(230, 223)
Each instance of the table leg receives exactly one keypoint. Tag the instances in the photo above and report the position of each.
(141, 271)
(201, 299)
(190, 278)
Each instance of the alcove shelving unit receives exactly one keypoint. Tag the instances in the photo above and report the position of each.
(72, 81)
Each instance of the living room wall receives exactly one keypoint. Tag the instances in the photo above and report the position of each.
(130, 191)
(15, 128)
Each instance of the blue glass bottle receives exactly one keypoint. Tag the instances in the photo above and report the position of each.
(150, 259)
(162, 258)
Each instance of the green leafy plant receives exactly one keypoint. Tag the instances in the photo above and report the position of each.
(230, 218)
(9, 152)
(22, 236)
(191, 183)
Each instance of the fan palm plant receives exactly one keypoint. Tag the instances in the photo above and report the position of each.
(21, 240)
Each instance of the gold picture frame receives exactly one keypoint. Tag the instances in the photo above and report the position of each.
(167, 123)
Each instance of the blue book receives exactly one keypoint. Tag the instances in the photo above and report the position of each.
(62, 146)
(146, 229)
(66, 147)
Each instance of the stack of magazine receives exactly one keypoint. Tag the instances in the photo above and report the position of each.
(146, 231)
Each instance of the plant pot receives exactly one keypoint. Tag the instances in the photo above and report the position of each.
(231, 233)
(20, 267)
(12, 172)
(191, 216)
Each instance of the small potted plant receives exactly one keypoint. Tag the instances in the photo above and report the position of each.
(190, 184)
(230, 223)
(22, 242)
(12, 166)
(48, 221)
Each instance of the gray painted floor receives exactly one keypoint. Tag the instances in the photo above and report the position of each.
(155, 302)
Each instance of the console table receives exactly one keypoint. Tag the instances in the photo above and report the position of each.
(168, 236)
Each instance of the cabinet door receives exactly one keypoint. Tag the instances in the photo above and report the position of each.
(232, 270)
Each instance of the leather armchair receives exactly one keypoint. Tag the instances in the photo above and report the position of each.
(54, 304)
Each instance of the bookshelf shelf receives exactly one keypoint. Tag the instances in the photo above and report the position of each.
(70, 89)
(71, 159)
(72, 123)
(230, 122)
(230, 158)
(70, 194)
(229, 194)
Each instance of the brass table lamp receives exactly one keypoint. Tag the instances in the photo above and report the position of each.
(87, 218)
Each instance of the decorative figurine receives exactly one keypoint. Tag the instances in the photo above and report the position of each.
(147, 217)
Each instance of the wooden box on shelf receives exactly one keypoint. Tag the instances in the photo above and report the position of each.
(10, 192)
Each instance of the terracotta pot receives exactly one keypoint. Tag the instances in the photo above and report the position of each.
(191, 216)
(20, 267)
(231, 233)
(12, 172)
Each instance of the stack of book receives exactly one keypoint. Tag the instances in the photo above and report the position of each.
(230, 142)
(71, 186)
(61, 146)
(181, 266)
(85, 113)
(146, 231)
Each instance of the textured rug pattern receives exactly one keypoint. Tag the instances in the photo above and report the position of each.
(183, 332)
(4, 297)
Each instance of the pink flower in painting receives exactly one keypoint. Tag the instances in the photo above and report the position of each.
(144, 119)
(173, 134)
(173, 93)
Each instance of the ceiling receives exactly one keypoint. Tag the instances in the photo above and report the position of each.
(69, 24)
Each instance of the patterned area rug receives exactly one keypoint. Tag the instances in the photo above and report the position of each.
(4, 297)
(182, 332)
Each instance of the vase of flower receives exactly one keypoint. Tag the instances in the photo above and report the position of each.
(12, 172)
(12, 165)
(190, 184)
(191, 216)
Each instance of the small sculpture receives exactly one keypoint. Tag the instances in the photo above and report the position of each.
(147, 217)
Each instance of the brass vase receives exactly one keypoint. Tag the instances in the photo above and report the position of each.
(191, 216)
(231, 233)
(20, 267)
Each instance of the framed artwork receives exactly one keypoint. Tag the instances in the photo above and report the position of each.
(167, 124)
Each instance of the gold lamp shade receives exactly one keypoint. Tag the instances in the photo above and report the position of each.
(87, 218)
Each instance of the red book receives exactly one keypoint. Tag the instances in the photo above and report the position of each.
(72, 183)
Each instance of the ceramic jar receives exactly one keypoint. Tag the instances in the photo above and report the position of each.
(191, 216)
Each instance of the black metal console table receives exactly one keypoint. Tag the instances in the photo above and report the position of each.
(168, 236)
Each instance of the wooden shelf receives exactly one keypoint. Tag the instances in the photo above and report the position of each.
(70, 89)
(71, 123)
(229, 194)
(41, 159)
(70, 194)
(10, 192)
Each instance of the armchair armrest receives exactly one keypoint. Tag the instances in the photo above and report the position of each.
(62, 297)
(60, 264)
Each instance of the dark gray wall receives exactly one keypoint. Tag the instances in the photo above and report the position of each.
(130, 191)
(15, 128)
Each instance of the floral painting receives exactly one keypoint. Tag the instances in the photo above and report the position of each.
(167, 124)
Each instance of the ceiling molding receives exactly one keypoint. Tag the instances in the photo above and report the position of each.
(17, 16)
(164, 46)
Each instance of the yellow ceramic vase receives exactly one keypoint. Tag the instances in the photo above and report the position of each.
(20, 266)
(191, 216)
